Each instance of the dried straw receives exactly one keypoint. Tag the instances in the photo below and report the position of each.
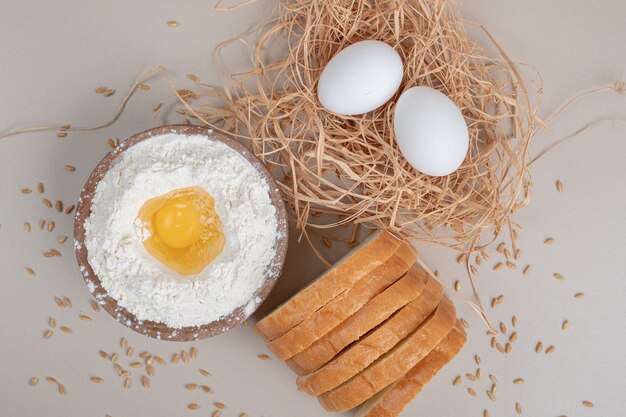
(350, 166)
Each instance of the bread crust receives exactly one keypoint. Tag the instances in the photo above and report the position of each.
(377, 343)
(344, 305)
(342, 276)
(393, 399)
(394, 363)
(376, 311)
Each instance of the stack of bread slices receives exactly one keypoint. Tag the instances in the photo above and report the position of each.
(369, 332)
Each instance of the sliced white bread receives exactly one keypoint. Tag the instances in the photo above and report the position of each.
(344, 305)
(402, 292)
(369, 348)
(394, 363)
(359, 262)
(393, 399)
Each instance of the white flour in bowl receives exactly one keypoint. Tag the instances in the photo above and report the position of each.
(140, 283)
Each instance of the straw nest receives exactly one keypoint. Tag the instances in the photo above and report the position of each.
(336, 170)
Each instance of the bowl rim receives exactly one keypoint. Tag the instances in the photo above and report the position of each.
(159, 330)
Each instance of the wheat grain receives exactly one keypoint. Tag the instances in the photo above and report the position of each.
(33, 381)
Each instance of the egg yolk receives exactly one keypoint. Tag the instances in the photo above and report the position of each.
(185, 232)
(178, 223)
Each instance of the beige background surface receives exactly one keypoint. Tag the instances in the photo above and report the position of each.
(55, 53)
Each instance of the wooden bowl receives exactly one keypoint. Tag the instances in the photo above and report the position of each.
(160, 330)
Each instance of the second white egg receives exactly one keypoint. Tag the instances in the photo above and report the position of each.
(360, 78)
(430, 131)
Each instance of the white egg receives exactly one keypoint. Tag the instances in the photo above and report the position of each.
(360, 78)
(430, 131)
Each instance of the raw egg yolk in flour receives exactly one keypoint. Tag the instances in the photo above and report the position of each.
(185, 232)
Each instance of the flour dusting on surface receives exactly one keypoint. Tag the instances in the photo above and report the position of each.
(140, 283)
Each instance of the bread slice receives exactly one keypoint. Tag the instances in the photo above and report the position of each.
(392, 400)
(402, 292)
(368, 349)
(379, 247)
(393, 364)
(344, 305)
